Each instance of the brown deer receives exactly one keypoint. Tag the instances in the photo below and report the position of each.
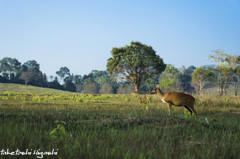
(177, 99)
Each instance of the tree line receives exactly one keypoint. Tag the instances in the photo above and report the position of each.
(132, 68)
(226, 72)
(29, 73)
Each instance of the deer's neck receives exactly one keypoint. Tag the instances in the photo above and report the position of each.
(160, 93)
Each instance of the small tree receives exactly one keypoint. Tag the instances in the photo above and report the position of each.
(51, 78)
(90, 86)
(237, 79)
(169, 79)
(38, 78)
(220, 58)
(226, 72)
(26, 76)
(135, 62)
(200, 77)
(106, 89)
(233, 62)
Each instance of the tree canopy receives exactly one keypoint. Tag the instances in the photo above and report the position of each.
(200, 77)
(10, 65)
(169, 79)
(135, 62)
(63, 72)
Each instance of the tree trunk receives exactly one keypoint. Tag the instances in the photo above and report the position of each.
(202, 84)
(136, 86)
(200, 89)
(220, 89)
(225, 88)
(236, 89)
(220, 84)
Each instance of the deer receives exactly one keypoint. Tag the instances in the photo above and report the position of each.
(177, 99)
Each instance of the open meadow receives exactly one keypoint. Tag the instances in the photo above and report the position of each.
(114, 126)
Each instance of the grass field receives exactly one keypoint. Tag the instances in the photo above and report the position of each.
(114, 126)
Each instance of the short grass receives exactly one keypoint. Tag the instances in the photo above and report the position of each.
(116, 126)
(6, 87)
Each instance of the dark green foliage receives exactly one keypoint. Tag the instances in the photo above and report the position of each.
(31, 65)
(9, 65)
(102, 78)
(55, 84)
(3, 80)
(135, 62)
(69, 86)
(63, 72)
(148, 84)
(77, 79)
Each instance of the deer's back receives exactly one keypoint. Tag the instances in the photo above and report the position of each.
(179, 98)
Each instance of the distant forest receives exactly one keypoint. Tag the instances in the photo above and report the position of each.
(29, 73)
(190, 79)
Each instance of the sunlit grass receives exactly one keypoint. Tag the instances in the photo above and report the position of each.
(118, 126)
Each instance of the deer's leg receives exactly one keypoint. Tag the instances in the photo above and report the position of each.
(194, 112)
(188, 109)
(169, 108)
(191, 107)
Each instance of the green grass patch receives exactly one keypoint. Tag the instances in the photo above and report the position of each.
(117, 126)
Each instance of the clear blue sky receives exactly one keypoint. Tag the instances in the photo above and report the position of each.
(80, 34)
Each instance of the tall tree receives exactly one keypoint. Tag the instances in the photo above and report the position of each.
(220, 57)
(9, 67)
(234, 63)
(77, 79)
(237, 79)
(38, 78)
(135, 62)
(226, 72)
(31, 65)
(26, 76)
(200, 77)
(233, 60)
(169, 79)
(63, 72)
